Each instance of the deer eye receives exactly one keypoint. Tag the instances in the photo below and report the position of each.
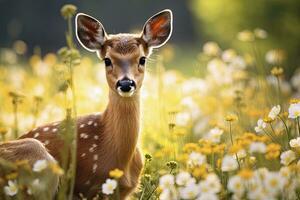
(142, 60)
(107, 62)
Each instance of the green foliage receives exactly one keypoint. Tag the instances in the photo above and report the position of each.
(221, 20)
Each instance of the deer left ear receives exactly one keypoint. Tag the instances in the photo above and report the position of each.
(90, 32)
(158, 29)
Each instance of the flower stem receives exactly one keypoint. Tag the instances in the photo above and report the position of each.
(278, 90)
(236, 156)
(286, 128)
(298, 125)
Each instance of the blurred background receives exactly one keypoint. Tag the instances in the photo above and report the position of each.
(39, 24)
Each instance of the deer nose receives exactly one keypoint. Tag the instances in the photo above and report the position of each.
(126, 85)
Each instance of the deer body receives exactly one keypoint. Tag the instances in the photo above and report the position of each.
(105, 142)
(109, 140)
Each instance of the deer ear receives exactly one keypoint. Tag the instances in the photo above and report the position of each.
(158, 29)
(89, 32)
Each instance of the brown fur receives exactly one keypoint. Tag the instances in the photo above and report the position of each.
(116, 132)
(112, 136)
(31, 150)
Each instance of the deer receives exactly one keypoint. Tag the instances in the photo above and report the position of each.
(109, 140)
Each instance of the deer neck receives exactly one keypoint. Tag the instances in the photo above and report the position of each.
(121, 126)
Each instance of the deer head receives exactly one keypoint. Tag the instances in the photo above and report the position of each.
(124, 55)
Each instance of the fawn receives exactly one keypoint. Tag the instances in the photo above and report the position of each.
(109, 140)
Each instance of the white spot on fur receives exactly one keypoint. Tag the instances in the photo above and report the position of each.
(96, 137)
(91, 149)
(94, 145)
(95, 157)
(47, 142)
(88, 182)
(36, 135)
(84, 135)
(34, 129)
(82, 155)
(94, 167)
(54, 130)
(90, 122)
(46, 129)
(95, 124)
(82, 125)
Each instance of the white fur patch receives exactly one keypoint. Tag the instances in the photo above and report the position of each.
(94, 167)
(84, 135)
(95, 157)
(36, 135)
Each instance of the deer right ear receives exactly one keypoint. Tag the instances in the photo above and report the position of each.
(89, 32)
(158, 29)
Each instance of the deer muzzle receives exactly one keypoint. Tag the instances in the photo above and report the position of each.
(126, 87)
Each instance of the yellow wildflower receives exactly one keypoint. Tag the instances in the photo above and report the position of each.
(294, 101)
(68, 10)
(268, 120)
(231, 118)
(273, 151)
(246, 173)
(189, 147)
(11, 176)
(199, 172)
(116, 173)
(277, 71)
(56, 169)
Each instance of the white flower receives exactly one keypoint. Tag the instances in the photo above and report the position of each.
(274, 112)
(219, 71)
(274, 182)
(167, 181)
(214, 135)
(287, 157)
(189, 192)
(40, 165)
(275, 56)
(211, 48)
(182, 118)
(229, 163)
(257, 147)
(168, 194)
(213, 182)
(241, 153)
(210, 185)
(236, 185)
(208, 196)
(109, 186)
(238, 63)
(260, 33)
(245, 36)
(295, 142)
(183, 178)
(260, 126)
(294, 110)
(11, 189)
(196, 159)
(285, 172)
(228, 55)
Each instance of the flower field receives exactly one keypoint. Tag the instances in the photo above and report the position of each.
(229, 130)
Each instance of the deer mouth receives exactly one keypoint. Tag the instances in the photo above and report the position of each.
(127, 93)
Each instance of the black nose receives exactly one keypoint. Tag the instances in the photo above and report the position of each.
(125, 84)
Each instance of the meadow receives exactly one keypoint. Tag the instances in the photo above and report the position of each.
(226, 126)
